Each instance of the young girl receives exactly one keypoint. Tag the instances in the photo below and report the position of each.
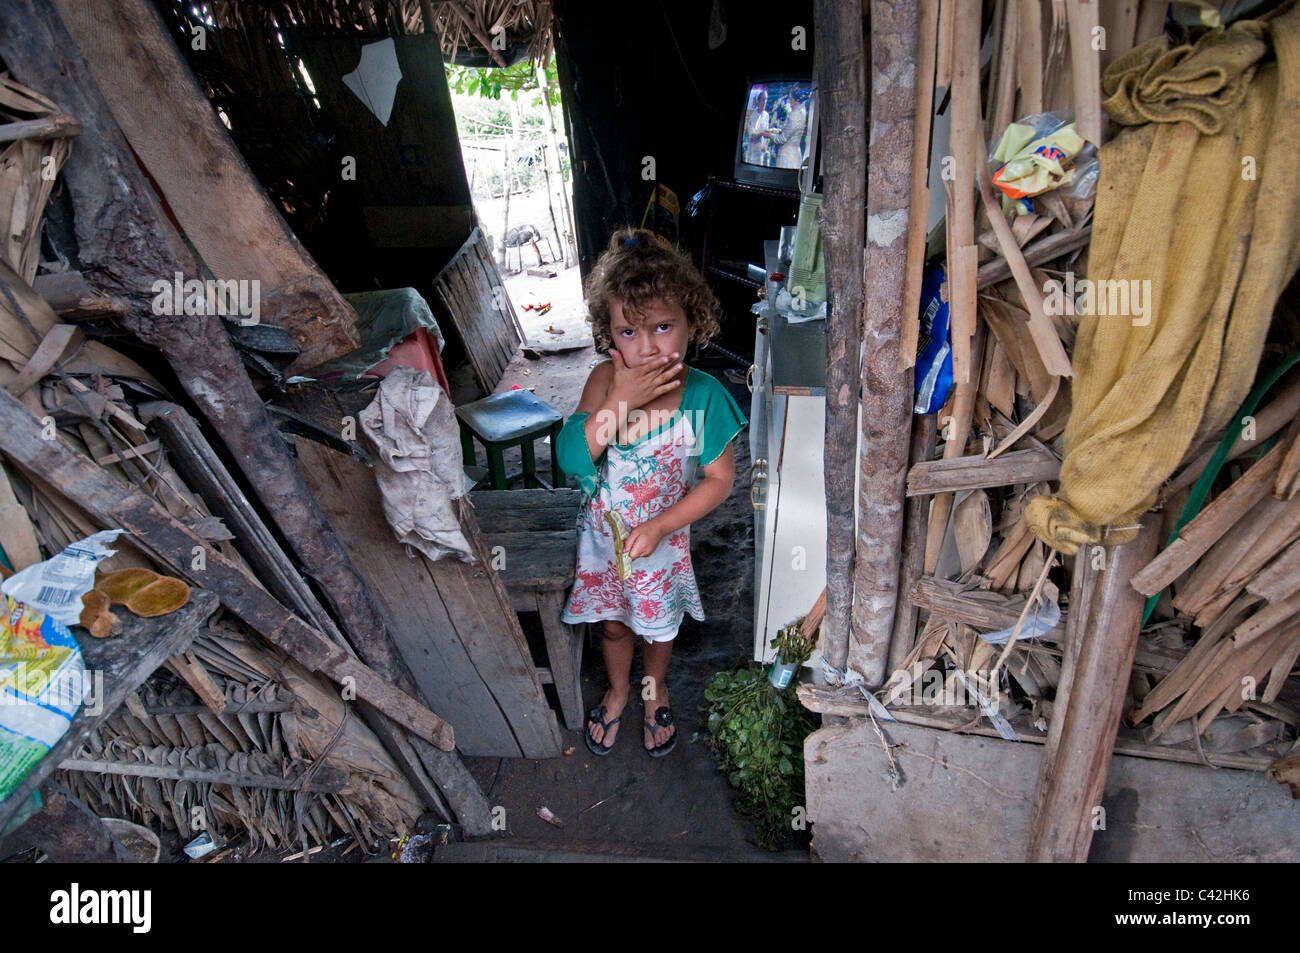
(645, 424)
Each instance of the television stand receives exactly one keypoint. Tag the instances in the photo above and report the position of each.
(737, 217)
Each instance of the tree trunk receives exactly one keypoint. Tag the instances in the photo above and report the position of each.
(886, 391)
(840, 69)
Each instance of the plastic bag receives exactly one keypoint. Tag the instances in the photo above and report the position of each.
(42, 684)
(56, 585)
(934, 349)
(1036, 155)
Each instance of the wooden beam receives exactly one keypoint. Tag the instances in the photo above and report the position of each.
(965, 150)
(919, 212)
(886, 402)
(971, 473)
(842, 100)
(850, 704)
(1102, 638)
(1085, 61)
(1044, 250)
(219, 203)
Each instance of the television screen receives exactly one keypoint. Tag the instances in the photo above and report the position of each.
(777, 124)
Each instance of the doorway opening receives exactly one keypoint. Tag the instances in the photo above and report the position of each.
(517, 161)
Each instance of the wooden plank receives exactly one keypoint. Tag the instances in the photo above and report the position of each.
(851, 704)
(1266, 621)
(1150, 20)
(125, 661)
(464, 288)
(1029, 65)
(124, 243)
(1281, 579)
(16, 531)
(461, 641)
(919, 206)
(1120, 18)
(55, 126)
(1281, 411)
(984, 610)
(1043, 332)
(521, 511)
(970, 473)
(965, 147)
(1085, 61)
(1211, 573)
(1288, 476)
(197, 677)
(1102, 639)
(1209, 526)
(955, 429)
(424, 633)
(228, 217)
(538, 559)
(1003, 85)
(1044, 250)
(943, 55)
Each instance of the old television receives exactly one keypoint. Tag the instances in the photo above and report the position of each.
(778, 131)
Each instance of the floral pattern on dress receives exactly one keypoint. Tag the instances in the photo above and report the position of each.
(640, 482)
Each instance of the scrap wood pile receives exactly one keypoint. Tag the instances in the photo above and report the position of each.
(272, 752)
(1041, 368)
(237, 726)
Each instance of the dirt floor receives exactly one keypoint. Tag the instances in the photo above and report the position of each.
(627, 805)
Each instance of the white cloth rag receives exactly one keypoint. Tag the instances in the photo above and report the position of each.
(412, 425)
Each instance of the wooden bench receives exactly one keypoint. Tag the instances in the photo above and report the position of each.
(533, 540)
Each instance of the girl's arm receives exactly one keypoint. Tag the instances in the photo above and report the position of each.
(704, 498)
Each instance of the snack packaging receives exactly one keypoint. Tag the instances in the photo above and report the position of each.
(622, 563)
(42, 684)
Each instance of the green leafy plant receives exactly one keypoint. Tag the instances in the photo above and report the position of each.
(757, 733)
(792, 646)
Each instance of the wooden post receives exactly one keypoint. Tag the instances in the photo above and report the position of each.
(913, 552)
(1101, 641)
(886, 401)
(842, 100)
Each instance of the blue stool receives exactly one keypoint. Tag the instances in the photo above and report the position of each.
(512, 418)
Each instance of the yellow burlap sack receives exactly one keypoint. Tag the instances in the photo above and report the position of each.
(1198, 198)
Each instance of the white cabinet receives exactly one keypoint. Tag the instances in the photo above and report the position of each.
(787, 435)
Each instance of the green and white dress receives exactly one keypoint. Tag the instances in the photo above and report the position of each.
(640, 481)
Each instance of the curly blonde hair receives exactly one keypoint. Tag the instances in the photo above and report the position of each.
(638, 268)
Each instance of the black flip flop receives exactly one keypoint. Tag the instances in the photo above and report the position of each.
(663, 719)
(597, 716)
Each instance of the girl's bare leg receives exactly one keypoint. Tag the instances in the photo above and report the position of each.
(616, 644)
(656, 656)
